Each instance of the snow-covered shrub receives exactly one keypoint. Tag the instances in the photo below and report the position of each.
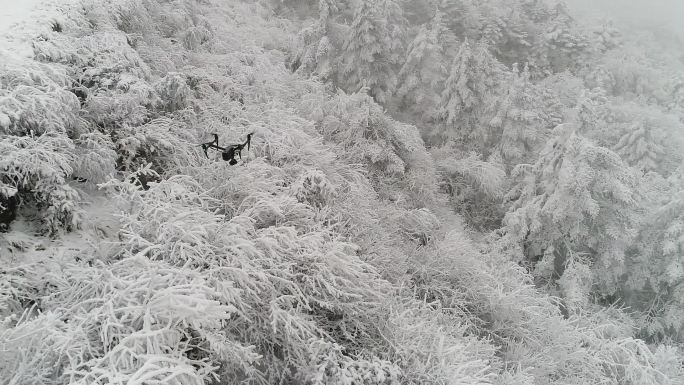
(39, 168)
(109, 61)
(314, 188)
(162, 142)
(194, 37)
(29, 348)
(114, 110)
(471, 170)
(631, 74)
(433, 346)
(33, 98)
(648, 137)
(419, 224)
(474, 186)
(330, 366)
(110, 76)
(314, 53)
(95, 157)
(292, 283)
(173, 91)
(369, 136)
(536, 339)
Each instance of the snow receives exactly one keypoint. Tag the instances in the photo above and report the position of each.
(4, 121)
(15, 11)
(22, 20)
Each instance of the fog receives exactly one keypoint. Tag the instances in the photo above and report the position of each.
(642, 14)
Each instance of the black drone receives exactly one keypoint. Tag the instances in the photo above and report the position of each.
(227, 153)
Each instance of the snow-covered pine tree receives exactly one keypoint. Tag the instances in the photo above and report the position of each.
(422, 76)
(373, 48)
(563, 45)
(522, 121)
(463, 18)
(575, 203)
(318, 45)
(649, 139)
(654, 282)
(607, 36)
(470, 97)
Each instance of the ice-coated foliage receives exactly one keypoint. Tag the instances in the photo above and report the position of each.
(39, 169)
(656, 258)
(577, 201)
(405, 213)
(95, 157)
(369, 136)
(422, 76)
(373, 48)
(33, 98)
(329, 365)
(318, 45)
(469, 96)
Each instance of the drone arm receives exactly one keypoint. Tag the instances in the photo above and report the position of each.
(215, 146)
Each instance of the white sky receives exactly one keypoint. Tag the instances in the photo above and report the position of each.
(658, 13)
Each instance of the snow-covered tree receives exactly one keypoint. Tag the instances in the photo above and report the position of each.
(470, 95)
(421, 78)
(607, 36)
(576, 203)
(649, 140)
(327, 254)
(373, 48)
(319, 44)
(564, 46)
(523, 121)
(655, 276)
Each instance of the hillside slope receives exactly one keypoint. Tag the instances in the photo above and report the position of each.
(327, 255)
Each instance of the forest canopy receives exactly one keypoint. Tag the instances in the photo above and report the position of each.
(458, 192)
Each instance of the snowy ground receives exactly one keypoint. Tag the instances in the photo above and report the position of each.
(15, 11)
(22, 20)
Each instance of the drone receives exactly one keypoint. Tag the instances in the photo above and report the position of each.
(227, 153)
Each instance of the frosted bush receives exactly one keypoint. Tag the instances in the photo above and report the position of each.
(33, 99)
(39, 168)
(314, 188)
(96, 157)
(173, 91)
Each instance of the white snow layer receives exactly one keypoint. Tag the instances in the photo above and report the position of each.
(22, 20)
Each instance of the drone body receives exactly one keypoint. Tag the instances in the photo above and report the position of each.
(227, 153)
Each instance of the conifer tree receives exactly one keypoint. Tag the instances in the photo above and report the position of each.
(373, 48)
(521, 120)
(655, 281)
(648, 138)
(575, 204)
(470, 95)
(319, 44)
(421, 78)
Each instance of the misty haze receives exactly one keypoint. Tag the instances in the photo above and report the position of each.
(341, 192)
